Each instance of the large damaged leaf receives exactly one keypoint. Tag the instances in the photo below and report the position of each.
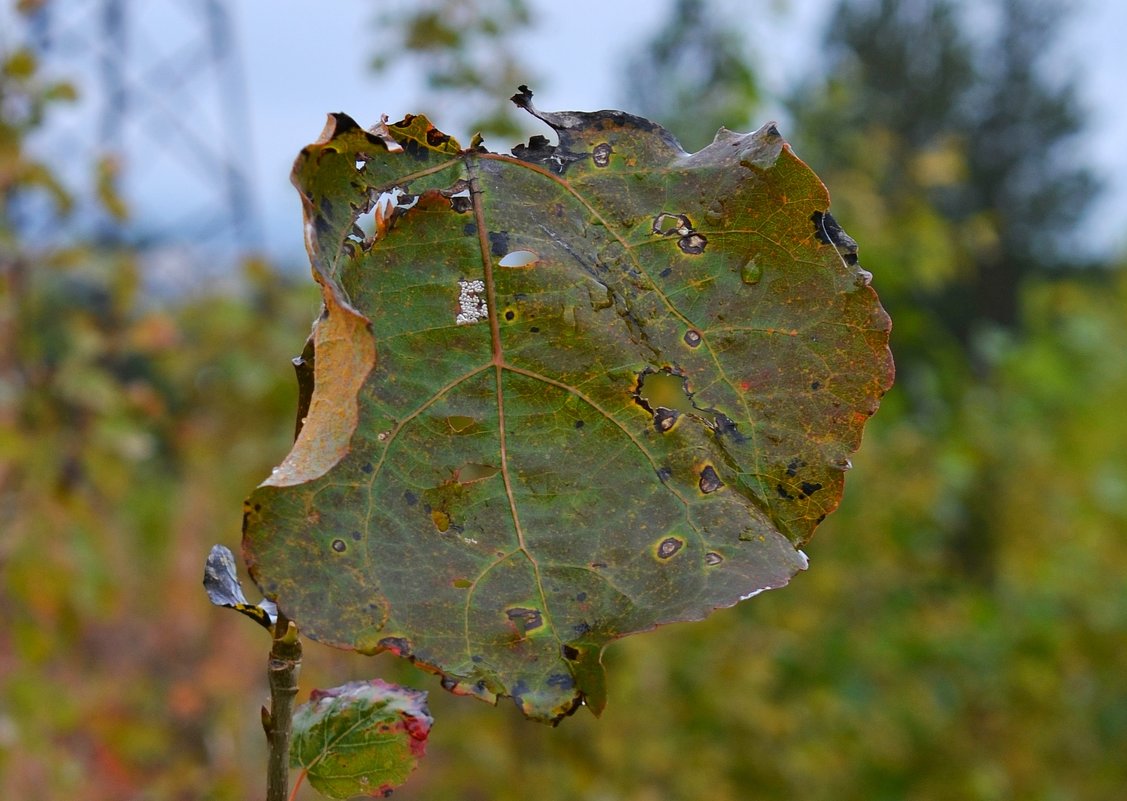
(560, 396)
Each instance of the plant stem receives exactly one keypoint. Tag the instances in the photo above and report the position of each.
(282, 671)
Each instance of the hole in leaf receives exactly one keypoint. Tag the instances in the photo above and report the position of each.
(339, 546)
(459, 196)
(668, 224)
(519, 258)
(692, 338)
(663, 389)
(713, 558)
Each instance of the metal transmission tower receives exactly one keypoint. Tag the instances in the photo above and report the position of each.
(161, 101)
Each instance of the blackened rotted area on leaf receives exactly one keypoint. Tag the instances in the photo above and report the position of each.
(558, 158)
(828, 232)
(343, 124)
(809, 488)
(415, 150)
(724, 426)
(436, 138)
(709, 481)
(665, 419)
(498, 242)
(552, 157)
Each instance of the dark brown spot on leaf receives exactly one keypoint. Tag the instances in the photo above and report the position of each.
(525, 619)
(339, 546)
(665, 419)
(692, 244)
(692, 338)
(569, 653)
(601, 154)
(709, 481)
(436, 138)
(669, 547)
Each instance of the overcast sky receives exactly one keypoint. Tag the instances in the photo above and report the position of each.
(304, 59)
(578, 48)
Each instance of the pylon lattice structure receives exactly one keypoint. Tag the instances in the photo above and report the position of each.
(162, 103)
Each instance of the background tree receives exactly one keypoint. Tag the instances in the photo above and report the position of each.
(468, 52)
(951, 149)
(695, 75)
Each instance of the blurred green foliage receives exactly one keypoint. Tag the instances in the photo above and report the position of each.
(961, 634)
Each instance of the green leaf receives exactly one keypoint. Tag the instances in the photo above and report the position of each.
(562, 396)
(362, 738)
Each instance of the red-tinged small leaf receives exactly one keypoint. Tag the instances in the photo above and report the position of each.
(360, 739)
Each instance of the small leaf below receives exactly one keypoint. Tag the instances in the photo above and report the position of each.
(360, 739)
